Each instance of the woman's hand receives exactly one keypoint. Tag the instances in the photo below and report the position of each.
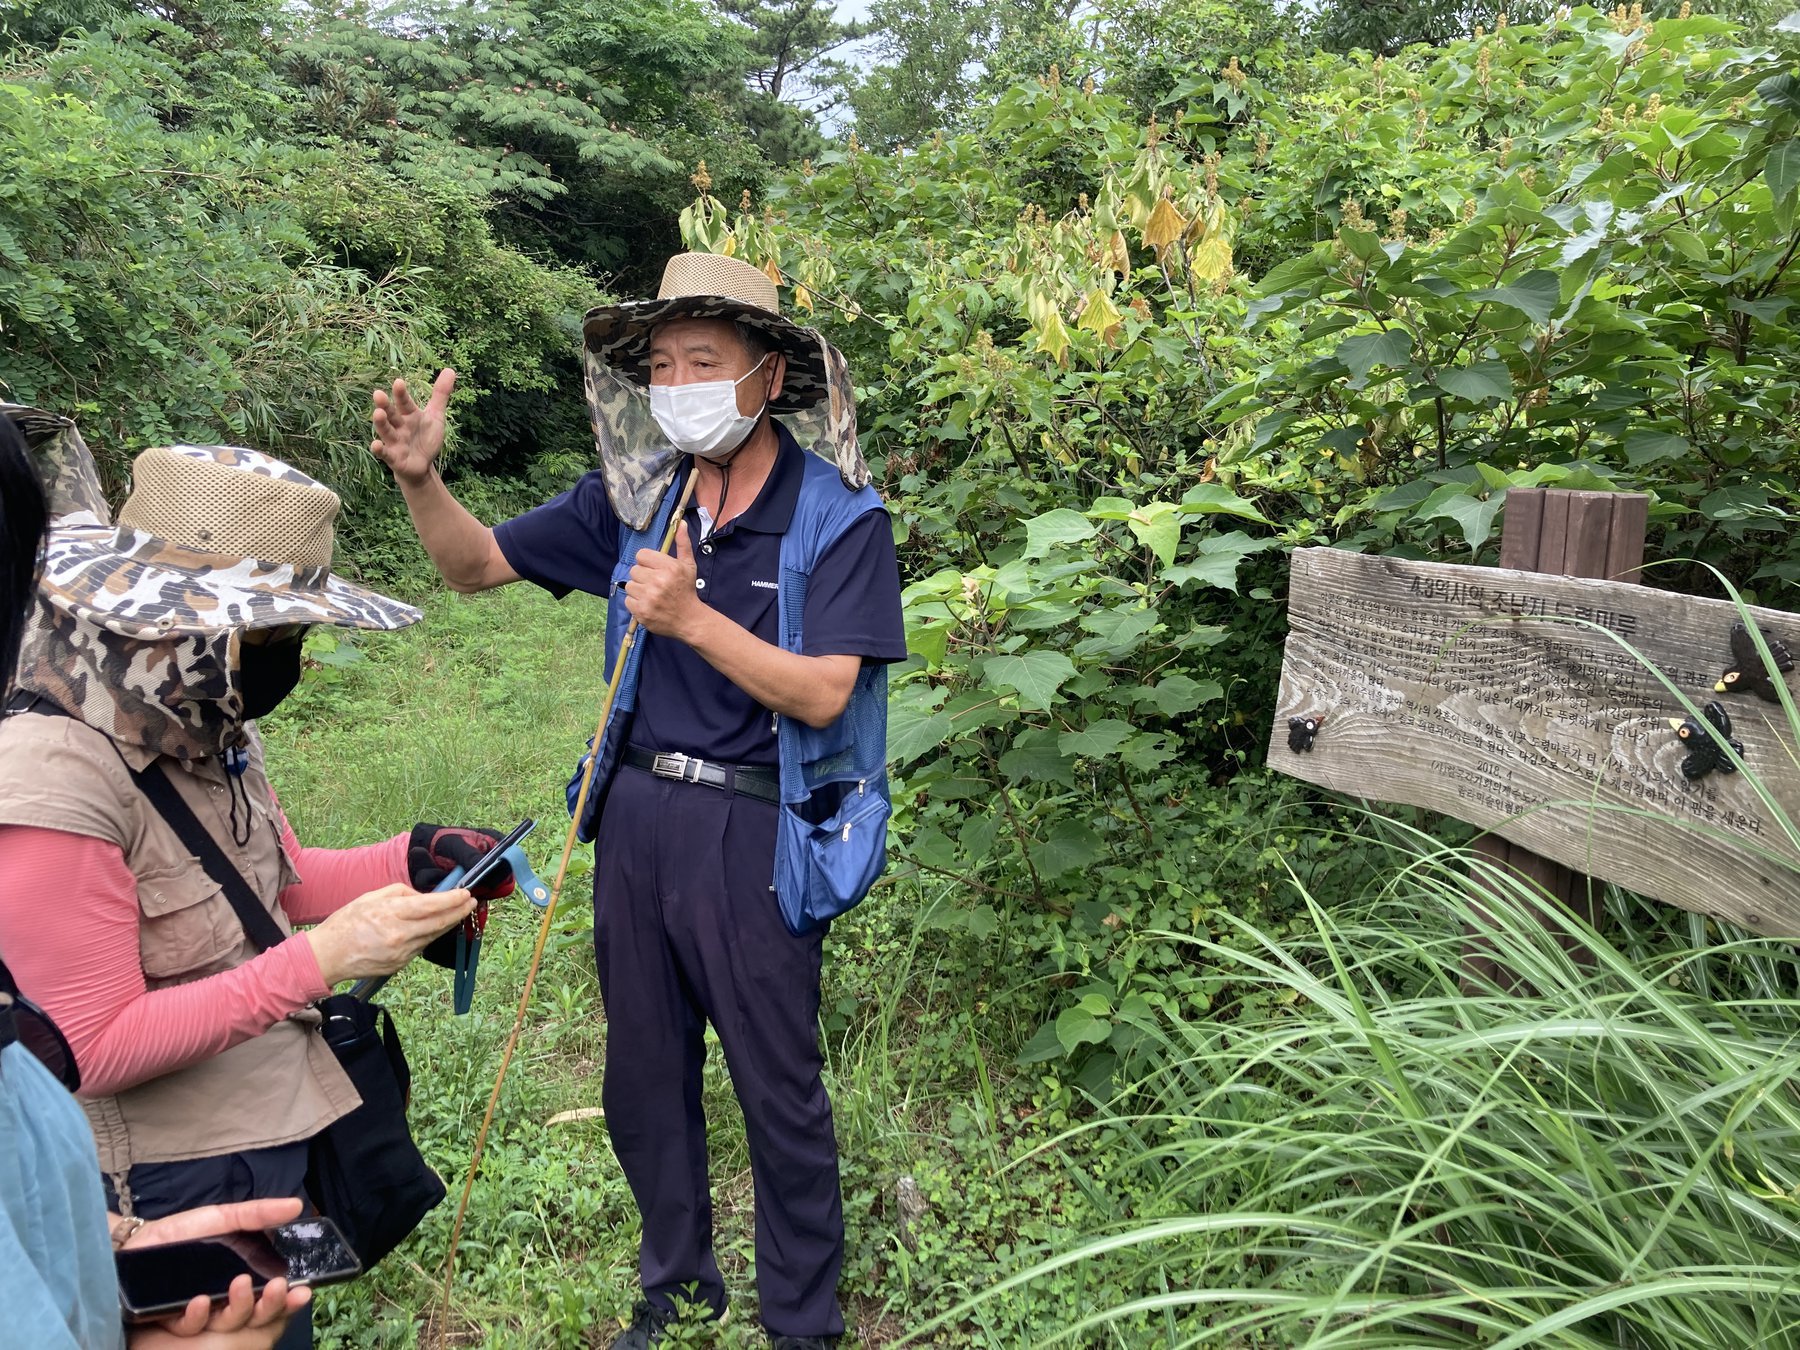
(245, 1321)
(377, 933)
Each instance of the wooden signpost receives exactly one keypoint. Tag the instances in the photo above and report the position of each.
(1508, 698)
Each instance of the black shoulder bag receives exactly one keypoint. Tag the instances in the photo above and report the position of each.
(363, 1170)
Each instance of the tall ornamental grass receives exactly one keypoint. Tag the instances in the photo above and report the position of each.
(1381, 1157)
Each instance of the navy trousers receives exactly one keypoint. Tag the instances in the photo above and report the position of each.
(686, 932)
(161, 1189)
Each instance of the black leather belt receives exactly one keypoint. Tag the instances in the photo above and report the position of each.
(753, 780)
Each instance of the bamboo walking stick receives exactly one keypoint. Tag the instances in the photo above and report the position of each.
(543, 935)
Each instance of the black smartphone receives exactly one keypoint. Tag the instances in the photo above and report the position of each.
(156, 1282)
(495, 858)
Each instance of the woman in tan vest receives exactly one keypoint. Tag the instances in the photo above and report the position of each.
(156, 645)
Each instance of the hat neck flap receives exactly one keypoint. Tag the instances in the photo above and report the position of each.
(174, 696)
(637, 463)
(64, 463)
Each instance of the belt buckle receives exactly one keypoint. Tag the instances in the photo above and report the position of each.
(672, 764)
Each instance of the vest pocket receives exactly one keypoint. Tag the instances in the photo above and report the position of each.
(185, 925)
(839, 858)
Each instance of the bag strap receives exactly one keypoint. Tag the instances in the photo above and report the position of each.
(155, 783)
(259, 926)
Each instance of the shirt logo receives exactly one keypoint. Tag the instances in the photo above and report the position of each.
(765, 585)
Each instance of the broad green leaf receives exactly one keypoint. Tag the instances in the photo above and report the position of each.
(1157, 526)
(1076, 1027)
(1069, 844)
(1096, 740)
(1214, 499)
(1782, 167)
(1781, 91)
(1216, 559)
(1046, 1045)
(914, 730)
(1117, 631)
(929, 641)
(1147, 751)
(1535, 295)
(1036, 758)
(976, 838)
(1362, 353)
(1180, 693)
(1650, 447)
(1111, 508)
(1036, 675)
(1769, 310)
(1474, 514)
(1054, 528)
(1477, 382)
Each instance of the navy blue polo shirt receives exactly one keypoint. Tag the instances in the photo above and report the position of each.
(571, 543)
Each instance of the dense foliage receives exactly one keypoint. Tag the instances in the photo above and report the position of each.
(1116, 367)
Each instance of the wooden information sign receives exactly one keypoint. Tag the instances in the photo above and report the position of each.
(1500, 697)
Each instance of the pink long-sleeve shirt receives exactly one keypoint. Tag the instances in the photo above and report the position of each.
(83, 969)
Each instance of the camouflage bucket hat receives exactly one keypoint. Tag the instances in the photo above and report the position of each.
(817, 399)
(211, 538)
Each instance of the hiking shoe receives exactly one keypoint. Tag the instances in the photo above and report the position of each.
(646, 1329)
(802, 1342)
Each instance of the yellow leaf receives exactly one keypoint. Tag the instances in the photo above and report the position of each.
(1211, 260)
(1099, 315)
(1214, 220)
(730, 247)
(803, 299)
(1165, 225)
(1118, 254)
(772, 270)
(1053, 338)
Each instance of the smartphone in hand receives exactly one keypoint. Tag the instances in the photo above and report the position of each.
(157, 1282)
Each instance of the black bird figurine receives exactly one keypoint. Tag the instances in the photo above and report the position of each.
(1748, 674)
(1704, 753)
(1301, 731)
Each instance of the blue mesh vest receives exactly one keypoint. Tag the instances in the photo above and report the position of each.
(831, 837)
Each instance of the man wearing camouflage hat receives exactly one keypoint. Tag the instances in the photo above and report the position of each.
(749, 799)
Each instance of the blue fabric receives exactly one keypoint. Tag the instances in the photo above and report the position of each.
(688, 706)
(831, 842)
(57, 1287)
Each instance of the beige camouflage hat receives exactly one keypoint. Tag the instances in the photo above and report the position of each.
(212, 538)
(817, 400)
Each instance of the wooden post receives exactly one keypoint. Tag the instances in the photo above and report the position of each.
(1572, 534)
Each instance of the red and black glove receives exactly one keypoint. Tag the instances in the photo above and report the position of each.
(435, 851)
(432, 853)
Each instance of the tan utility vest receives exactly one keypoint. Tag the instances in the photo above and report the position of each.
(284, 1085)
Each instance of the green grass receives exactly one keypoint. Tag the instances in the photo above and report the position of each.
(476, 716)
(1310, 1134)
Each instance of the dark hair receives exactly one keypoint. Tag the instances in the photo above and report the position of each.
(756, 342)
(22, 519)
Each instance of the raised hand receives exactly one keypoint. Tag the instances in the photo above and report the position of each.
(408, 437)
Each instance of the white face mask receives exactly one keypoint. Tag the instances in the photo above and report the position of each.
(703, 418)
